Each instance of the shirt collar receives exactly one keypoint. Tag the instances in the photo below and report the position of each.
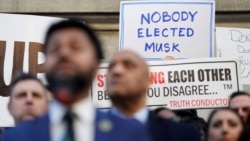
(56, 112)
(141, 115)
(84, 110)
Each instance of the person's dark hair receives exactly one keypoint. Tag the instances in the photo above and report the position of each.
(70, 23)
(238, 93)
(245, 136)
(186, 114)
(196, 122)
(22, 76)
(216, 111)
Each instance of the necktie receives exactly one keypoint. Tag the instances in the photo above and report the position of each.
(69, 120)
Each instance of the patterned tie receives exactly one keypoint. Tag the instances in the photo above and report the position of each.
(69, 120)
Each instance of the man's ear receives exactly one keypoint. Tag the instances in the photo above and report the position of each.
(149, 80)
(96, 68)
(9, 107)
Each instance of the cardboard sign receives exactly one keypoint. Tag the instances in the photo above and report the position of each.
(182, 84)
(235, 42)
(21, 41)
(159, 29)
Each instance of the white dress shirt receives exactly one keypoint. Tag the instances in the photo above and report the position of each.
(83, 124)
(141, 115)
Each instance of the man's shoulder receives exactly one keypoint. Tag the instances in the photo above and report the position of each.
(25, 130)
(116, 128)
(120, 122)
(171, 129)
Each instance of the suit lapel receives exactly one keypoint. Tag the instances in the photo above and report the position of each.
(103, 127)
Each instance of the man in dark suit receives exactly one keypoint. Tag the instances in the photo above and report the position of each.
(73, 54)
(127, 83)
(106, 128)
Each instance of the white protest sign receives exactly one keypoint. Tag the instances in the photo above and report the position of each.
(99, 94)
(235, 42)
(182, 84)
(21, 41)
(159, 29)
(194, 84)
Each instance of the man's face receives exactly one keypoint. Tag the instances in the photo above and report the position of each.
(127, 75)
(27, 100)
(241, 104)
(69, 52)
(70, 56)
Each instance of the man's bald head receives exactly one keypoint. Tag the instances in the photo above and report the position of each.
(133, 57)
(128, 77)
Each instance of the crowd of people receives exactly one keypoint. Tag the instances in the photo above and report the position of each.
(63, 111)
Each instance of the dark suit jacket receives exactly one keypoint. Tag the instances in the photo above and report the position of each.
(166, 130)
(118, 130)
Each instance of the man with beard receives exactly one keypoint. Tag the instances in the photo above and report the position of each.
(127, 83)
(73, 54)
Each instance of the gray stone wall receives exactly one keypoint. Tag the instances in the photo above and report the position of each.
(62, 6)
